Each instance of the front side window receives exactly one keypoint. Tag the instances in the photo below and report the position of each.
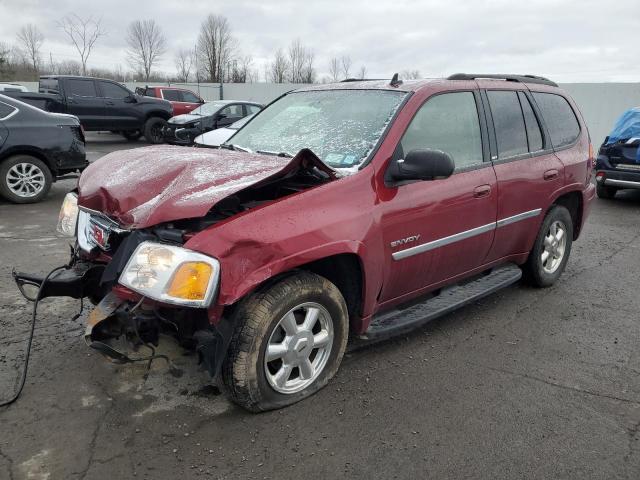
(341, 127)
(251, 109)
(81, 88)
(559, 117)
(447, 122)
(508, 122)
(189, 97)
(111, 90)
(208, 108)
(232, 111)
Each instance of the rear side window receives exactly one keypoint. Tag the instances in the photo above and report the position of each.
(508, 121)
(447, 122)
(171, 95)
(534, 134)
(6, 110)
(111, 90)
(81, 88)
(559, 117)
(49, 85)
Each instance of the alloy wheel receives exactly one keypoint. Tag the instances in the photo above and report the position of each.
(554, 246)
(25, 180)
(299, 348)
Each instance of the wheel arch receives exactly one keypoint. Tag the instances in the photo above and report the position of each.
(157, 113)
(573, 202)
(32, 152)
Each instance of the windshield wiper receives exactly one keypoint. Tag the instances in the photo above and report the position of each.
(231, 146)
(278, 154)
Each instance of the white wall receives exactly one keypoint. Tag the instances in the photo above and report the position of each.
(601, 103)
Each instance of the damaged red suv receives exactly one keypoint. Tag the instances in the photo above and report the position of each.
(355, 210)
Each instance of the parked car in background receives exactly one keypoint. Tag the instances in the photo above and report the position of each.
(36, 148)
(182, 100)
(618, 161)
(215, 138)
(12, 87)
(183, 129)
(101, 104)
(361, 209)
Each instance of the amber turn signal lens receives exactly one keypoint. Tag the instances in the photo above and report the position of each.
(191, 281)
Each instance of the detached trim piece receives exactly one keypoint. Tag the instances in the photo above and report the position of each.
(441, 242)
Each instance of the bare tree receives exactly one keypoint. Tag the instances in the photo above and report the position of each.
(362, 73)
(184, 62)
(300, 63)
(410, 74)
(334, 69)
(146, 45)
(83, 34)
(345, 61)
(278, 70)
(31, 39)
(5, 60)
(215, 46)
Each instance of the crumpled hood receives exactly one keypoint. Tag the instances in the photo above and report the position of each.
(184, 119)
(146, 186)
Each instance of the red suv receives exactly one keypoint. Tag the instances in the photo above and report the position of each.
(357, 210)
(181, 99)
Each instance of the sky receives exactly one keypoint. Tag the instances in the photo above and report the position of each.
(567, 41)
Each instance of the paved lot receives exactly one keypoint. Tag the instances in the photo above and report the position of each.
(525, 384)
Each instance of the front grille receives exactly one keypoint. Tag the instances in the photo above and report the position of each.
(98, 231)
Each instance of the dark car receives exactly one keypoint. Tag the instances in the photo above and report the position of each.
(101, 104)
(36, 148)
(395, 204)
(181, 99)
(183, 129)
(618, 161)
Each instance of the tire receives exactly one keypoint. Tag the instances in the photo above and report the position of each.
(37, 183)
(250, 380)
(131, 135)
(606, 192)
(544, 273)
(153, 130)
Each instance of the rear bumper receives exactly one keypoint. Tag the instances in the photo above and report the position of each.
(617, 175)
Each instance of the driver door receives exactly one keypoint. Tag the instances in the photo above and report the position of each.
(435, 230)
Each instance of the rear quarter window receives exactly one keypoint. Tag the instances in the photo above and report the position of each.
(560, 118)
(6, 110)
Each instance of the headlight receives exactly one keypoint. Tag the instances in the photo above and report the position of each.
(172, 274)
(68, 217)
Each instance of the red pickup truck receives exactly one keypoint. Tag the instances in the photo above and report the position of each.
(181, 99)
(355, 210)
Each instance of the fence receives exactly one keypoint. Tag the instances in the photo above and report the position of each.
(601, 103)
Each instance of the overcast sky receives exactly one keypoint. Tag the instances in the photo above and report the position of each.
(568, 41)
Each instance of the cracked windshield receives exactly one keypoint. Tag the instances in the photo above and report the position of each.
(340, 126)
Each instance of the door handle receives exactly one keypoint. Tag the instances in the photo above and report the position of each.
(481, 191)
(109, 102)
(551, 174)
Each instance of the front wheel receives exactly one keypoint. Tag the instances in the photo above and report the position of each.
(153, 130)
(552, 247)
(131, 135)
(288, 343)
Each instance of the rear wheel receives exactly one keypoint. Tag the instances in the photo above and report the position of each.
(24, 179)
(552, 247)
(288, 343)
(131, 135)
(606, 192)
(153, 130)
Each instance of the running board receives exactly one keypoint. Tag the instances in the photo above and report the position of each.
(398, 322)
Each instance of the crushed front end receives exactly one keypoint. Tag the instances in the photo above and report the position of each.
(143, 282)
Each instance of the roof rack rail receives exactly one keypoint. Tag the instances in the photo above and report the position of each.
(507, 77)
(361, 80)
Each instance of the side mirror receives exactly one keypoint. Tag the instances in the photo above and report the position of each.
(130, 99)
(424, 164)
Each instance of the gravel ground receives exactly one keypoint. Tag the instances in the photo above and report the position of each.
(524, 384)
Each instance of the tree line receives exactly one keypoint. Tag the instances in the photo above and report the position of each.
(215, 57)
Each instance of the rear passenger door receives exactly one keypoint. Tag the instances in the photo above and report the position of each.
(528, 171)
(84, 102)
